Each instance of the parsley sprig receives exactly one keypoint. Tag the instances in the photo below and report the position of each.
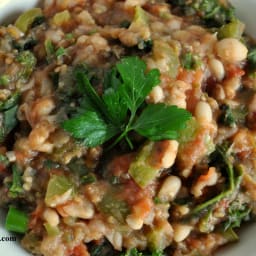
(118, 110)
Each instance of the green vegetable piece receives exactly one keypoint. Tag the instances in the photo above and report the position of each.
(10, 102)
(58, 186)
(49, 47)
(61, 18)
(141, 169)
(205, 224)
(114, 206)
(9, 122)
(9, 109)
(16, 187)
(230, 235)
(51, 231)
(4, 80)
(16, 220)
(163, 50)
(61, 52)
(233, 29)
(140, 16)
(26, 19)
(28, 61)
(189, 132)
(190, 61)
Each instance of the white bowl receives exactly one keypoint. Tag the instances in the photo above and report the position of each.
(246, 10)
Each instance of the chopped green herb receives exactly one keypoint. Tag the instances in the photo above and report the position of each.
(60, 52)
(4, 160)
(8, 122)
(145, 45)
(251, 58)
(28, 61)
(116, 111)
(135, 252)
(16, 220)
(16, 186)
(212, 13)
(232, 116)
(38, 21)
(237, 212)
(221, 157)
(190, 61)
(125, 24)
(88, 178)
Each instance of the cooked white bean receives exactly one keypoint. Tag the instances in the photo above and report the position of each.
(60, 199)
(156, 95)
(51, 217)
(208, 179)
(231, 50)
(203, 112)
(166, 152)
(180, 232)
(217, 69)
(134, 222)
(78, 208)
(169, 188)
(231, 86)
(11, 156)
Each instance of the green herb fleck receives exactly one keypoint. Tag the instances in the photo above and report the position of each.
(16, 186)
(237, 212)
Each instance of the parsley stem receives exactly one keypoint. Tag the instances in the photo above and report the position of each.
(128, 141)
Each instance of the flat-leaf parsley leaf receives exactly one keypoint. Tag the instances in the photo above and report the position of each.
(115, 113)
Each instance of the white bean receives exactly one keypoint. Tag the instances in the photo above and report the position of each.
(167, 153)
(217, 69)
(134, 222)
(231, 86)
(51, 217)
(169, 188)
(203, 112)
(181, 232)
(231, 50)
(78, 208)
(156, 95)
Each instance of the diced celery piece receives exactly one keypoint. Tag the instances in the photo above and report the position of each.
(140, 16)
(114, 206)
(158, 238)
(16, 220)
(233, 29)
(58, 186)
(140, 169)
(230, 235)
(61, 18)
(25, 20)
(162, 50)
(51, 231)
(187, 134)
